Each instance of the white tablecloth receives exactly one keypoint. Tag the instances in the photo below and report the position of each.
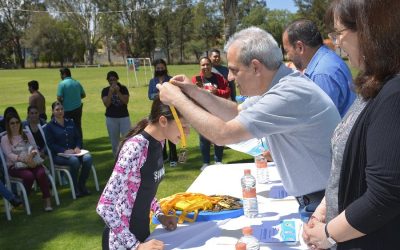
(215, 235)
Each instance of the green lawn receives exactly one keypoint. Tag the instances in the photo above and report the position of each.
(75, 224)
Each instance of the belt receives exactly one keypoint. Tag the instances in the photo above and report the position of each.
(307, 199)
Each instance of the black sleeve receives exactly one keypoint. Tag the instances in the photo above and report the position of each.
(381, 201)
(104, 92)
(124, 90)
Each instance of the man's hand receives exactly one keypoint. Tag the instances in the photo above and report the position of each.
(169, 93)
(184, 83)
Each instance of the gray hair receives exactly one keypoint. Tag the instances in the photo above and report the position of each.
(255, 43)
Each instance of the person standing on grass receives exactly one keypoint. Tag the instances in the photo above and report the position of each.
(218, 68)
(116, 97)
(37, 99)
(160, 76)
(217, 85)
(70, 93)
(129, 195)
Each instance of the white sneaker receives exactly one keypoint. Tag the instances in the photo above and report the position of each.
(205, 165)
(218, 163)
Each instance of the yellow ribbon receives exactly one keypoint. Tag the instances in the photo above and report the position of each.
(179, 124)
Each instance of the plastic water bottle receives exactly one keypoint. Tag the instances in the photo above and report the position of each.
(248, 239)
(250, 206)
(262, 169)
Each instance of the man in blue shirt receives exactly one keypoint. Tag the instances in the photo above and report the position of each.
(70, 93)
(304, 46)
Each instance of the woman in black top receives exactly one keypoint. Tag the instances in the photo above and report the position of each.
(116, 97)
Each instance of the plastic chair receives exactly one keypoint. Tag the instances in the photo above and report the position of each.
(49, 175)
(18, 181)
(64, 168)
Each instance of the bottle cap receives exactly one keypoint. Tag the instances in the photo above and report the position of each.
(240, 246)
(247, 171)
(247, 231)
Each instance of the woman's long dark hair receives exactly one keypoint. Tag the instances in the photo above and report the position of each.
(376, 23)
(10, 116)
(158, 109)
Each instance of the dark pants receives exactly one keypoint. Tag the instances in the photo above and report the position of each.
(308, 203)
(105, 239)
(76, 115)
(205, 150)
(74, 164)
(172, 156)
(29, 175)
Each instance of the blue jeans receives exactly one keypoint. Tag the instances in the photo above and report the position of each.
(5, 192)
(205, 150)
(116, 128)
(74, 164)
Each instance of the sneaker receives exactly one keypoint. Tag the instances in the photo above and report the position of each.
(173, 164)
(218, 163)
(48, 209)
(205, 165)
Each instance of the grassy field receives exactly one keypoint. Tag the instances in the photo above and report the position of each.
(75, 224)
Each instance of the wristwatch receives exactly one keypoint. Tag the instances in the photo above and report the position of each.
(329, 238)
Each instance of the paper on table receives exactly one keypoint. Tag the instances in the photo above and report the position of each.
(83, 152)
(287, 231)
(252, 147)
(188, 236)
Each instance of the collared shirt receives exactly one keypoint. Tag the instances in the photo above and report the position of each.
(297, 119)
(60, 138)
(333, 76)
(71, 91)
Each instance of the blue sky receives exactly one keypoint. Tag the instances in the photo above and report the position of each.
(282, 4)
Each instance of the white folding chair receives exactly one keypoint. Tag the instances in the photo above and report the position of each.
(48, 173)
(64, 168)
(18, 181)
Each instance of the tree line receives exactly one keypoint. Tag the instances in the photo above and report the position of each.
(73, 31)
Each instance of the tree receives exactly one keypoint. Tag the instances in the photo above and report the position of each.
(84, 15)
(6, 48)
(164, 34)
(230, 10)
(314, 10)
(17, 21)
(183, 26)
(207, 27)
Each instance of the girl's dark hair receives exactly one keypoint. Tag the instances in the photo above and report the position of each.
(54, 104)
(376, 23)
(158, 109)
(10, 116)
(30, 107)
(160, 61)
(9, 110)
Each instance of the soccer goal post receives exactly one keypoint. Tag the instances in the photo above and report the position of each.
(132, 67)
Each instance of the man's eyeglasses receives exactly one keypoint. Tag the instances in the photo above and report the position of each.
(334, 35)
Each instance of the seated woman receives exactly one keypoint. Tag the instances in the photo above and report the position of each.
(20, 151)
(33, 122)
(64, 137)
